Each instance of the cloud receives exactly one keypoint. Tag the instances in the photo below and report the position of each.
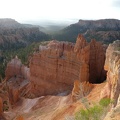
(59, 10)
(116, 3)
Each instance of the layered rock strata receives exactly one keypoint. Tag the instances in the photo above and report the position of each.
(112, 65)
(81, 89)
(17, 78)
(55, 68)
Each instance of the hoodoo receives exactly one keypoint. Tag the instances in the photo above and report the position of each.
(56, 66)
(61, 79)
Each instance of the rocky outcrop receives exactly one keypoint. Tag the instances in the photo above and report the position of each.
(1, 106)
(112, 65)
(81, 89)
(55, 68)
(15, 68)
(17, 78)
(114, 114)
(105, 93)
(1, 110)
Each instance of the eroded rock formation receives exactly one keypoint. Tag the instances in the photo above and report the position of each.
(17, 78)
(55, 68)
(112, 65)
(1, 106)
(81, 89)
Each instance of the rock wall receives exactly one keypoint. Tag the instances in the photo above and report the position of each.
(112, 65)
(55, 68)
(17, 79)
(1, 106)
(81, 89)
(15, 68)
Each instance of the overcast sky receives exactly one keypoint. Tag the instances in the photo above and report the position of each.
(59, 10)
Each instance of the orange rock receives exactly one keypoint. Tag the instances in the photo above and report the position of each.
(20, 118)
(15, 68)
(112, 65)
(105, 93)
(56, 66)
(17, 78)
(1, 106)
(81, 89)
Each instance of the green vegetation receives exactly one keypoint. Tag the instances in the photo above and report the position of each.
(91, 30)
(96, 112)
(22, 53)
(20, 41)
(105, 102)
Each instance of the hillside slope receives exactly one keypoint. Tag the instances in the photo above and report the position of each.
(104, 30)
(14, 34)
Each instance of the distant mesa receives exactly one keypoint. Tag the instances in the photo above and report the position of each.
(104, 30)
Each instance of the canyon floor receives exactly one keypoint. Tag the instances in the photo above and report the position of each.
(52, 107)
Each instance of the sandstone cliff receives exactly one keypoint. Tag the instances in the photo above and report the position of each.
(80, 90)
(56, 66)
(59, 64)
(114, 114)
(52, 74)
(112, 65)
(17, 78)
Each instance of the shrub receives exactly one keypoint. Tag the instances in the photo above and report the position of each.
(96, 112)
(82, 115)
(105, 102)
(92, 113)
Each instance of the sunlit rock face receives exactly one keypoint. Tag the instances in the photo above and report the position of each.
(112, 65)
(81, 89)
(57, 65)
(17, 78)
(16, 68)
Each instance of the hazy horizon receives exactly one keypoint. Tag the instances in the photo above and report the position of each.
(49, 22)
(59, 11)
